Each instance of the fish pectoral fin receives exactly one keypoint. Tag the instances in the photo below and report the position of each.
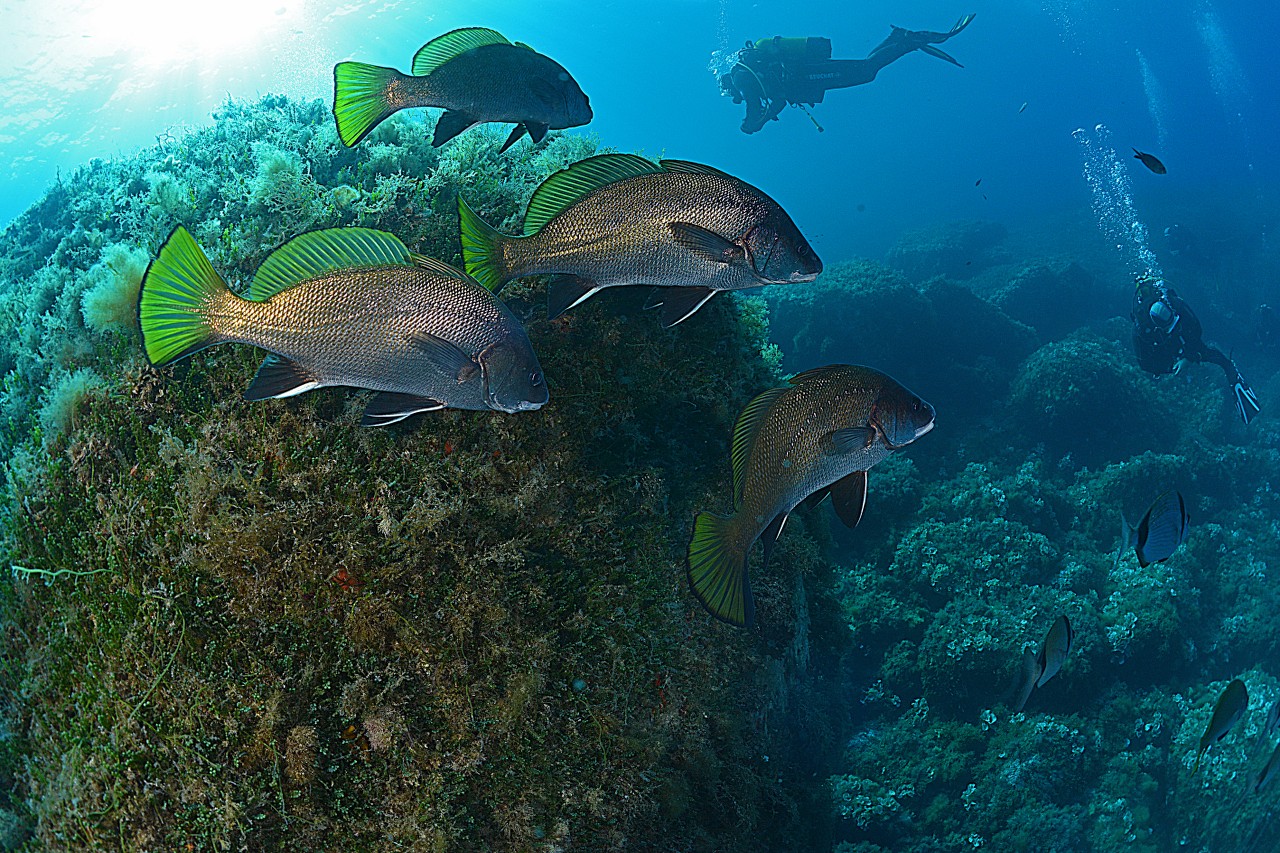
(940, 54)
(849, 498)
(537, 131)
(545, 91)
(516, 132)
(567, 291)
(389, 407)
(279, 377)
(447, 356)
(678, 303)
(706, 244)
(450, 124)
(770, 536)
(853, 439)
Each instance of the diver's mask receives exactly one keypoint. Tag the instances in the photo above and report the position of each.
(1163, 317)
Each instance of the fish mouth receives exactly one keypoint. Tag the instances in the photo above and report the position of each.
(522, 406)
(924, 430)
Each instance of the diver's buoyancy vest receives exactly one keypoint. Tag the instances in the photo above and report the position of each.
(811, 49)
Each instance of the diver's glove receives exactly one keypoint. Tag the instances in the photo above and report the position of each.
(1179, 364)
(1246, 400)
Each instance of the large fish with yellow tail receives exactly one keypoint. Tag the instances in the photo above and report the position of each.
(818, 435)
(347, 306)
(687, 229)
(477, 75)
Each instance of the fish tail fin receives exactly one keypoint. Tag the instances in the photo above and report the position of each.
(178, 292)
(482, 249)
(718, 570)
(361, 98)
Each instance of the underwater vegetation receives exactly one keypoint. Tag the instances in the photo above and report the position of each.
(1008, 519)
(255, 625)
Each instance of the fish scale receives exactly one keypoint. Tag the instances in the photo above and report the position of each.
(354, 328)
(601, 237)
(816, 409)
(820, 434)
(350, 307)
(479, 83)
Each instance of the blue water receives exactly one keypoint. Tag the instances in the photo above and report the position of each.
(901, 153)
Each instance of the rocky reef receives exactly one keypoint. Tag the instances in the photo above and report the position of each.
(234, 625)
(1008, 516)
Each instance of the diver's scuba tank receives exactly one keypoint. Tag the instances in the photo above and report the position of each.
(811, 49)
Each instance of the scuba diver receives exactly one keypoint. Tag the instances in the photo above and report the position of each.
(1167, 335)
(771, 73)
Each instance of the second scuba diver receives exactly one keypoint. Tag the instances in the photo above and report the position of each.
(771, 73)
(1167, 335)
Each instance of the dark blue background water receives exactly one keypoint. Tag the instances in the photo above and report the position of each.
(906, 149)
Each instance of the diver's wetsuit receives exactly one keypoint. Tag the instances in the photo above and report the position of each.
(772, 73)
(1167, 334)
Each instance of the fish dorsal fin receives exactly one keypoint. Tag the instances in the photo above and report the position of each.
(318, 252)
(568, 186)
(684, 167)
(814, 373)
(525, 46)
(451, 45)
(440, 267)
(744, 436)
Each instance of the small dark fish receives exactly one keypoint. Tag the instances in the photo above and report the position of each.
(347, 306)
(1038, 669)
(1163, 528)
(1231, 706)
(477, 75)
(978, 182)
(1057, 645)
(689, 230)
(1269, 771)
(819, 435)
(1150, 161)
(1023, 107)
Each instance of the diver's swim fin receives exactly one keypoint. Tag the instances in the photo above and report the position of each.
(961, 24)
(940, 54)
(1246, 401)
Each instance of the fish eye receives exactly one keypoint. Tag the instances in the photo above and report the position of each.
(535, 379)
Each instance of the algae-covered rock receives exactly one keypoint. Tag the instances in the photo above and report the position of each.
(940, 340)
(1055, 299)
(237, 625)
(1084, 396)
(956, 250)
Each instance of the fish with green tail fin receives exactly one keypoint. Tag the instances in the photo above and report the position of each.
(476, 75)
(1230, 707)
(819, 435)
(347, 306)
(688, 230)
